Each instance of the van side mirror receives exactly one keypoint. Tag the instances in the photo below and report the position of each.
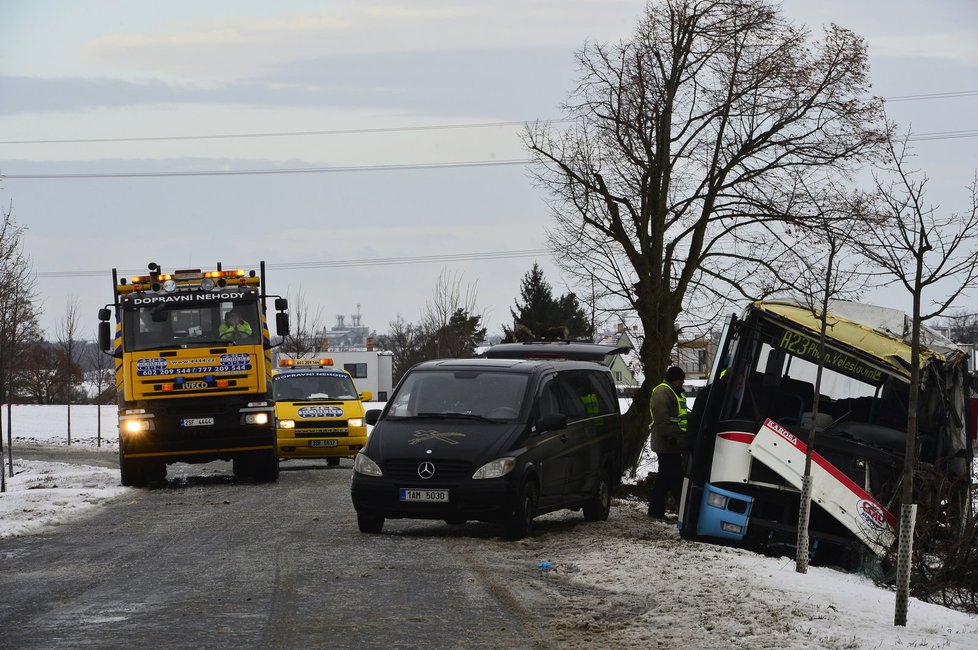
(552, 422)
(366, 396)
(372, 416)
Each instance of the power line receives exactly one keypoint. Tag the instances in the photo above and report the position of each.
(920, 137)
(908, 98)
(217, 136)
(293, 266)
(293, 170)
(943, 135)
(390, 129)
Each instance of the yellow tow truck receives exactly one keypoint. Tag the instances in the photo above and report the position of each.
(193, 370)
(318, 411)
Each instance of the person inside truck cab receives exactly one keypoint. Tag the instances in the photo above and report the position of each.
(234, 327)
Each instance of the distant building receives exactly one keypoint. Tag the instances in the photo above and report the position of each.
(351, 347)
(695, 356)
(626, 368)
(346, 337)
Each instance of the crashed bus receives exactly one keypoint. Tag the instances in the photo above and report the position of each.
(749, 432)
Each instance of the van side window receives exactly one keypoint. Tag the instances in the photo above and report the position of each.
(570, 404)
(549, 403)
(587, 394)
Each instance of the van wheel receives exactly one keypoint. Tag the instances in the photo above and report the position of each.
(520, 523)
(598, 507)
(369, 523)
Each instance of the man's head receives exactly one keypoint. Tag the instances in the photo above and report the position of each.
(675, 376)
(232, 317)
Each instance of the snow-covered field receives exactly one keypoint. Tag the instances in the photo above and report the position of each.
(656, 589)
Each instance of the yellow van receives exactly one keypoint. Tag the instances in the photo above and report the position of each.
(318, 411)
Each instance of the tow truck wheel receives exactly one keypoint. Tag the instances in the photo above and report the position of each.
(242, 466)
(332, 462)
(265, 467)
(154, 471)
(131, 472)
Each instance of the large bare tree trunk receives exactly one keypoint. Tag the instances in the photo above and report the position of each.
(679, 162)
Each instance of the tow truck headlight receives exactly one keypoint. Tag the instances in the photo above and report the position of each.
(286, 424)
(256, 418)
(495, 468)
(355, 422)
(363, 465)
(207, 284)
(136, 425)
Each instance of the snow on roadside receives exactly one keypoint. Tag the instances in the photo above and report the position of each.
(633, 583)
(42, 494)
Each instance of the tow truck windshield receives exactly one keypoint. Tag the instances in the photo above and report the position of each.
(164, 325)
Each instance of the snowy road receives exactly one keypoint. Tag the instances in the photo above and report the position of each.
(208, 561)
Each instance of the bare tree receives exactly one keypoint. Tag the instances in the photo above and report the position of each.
(928, 253)
(38, 377)
(68, 346)
(822, 265)
(448, 299)
(684, 140)
(101, 374)
(961, 326)
(407, 343)
(19, 314)
(305, 337)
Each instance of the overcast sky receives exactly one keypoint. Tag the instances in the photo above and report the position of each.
(365, 76)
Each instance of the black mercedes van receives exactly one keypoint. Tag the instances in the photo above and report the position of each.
(530, 429)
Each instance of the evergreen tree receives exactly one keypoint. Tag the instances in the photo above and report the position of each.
(540, 316)
(461, 336)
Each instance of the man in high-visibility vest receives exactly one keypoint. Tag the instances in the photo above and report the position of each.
(669, 422)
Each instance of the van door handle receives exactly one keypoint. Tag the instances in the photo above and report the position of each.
(563, 437)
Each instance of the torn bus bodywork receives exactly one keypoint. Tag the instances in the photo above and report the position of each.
(750, 429)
